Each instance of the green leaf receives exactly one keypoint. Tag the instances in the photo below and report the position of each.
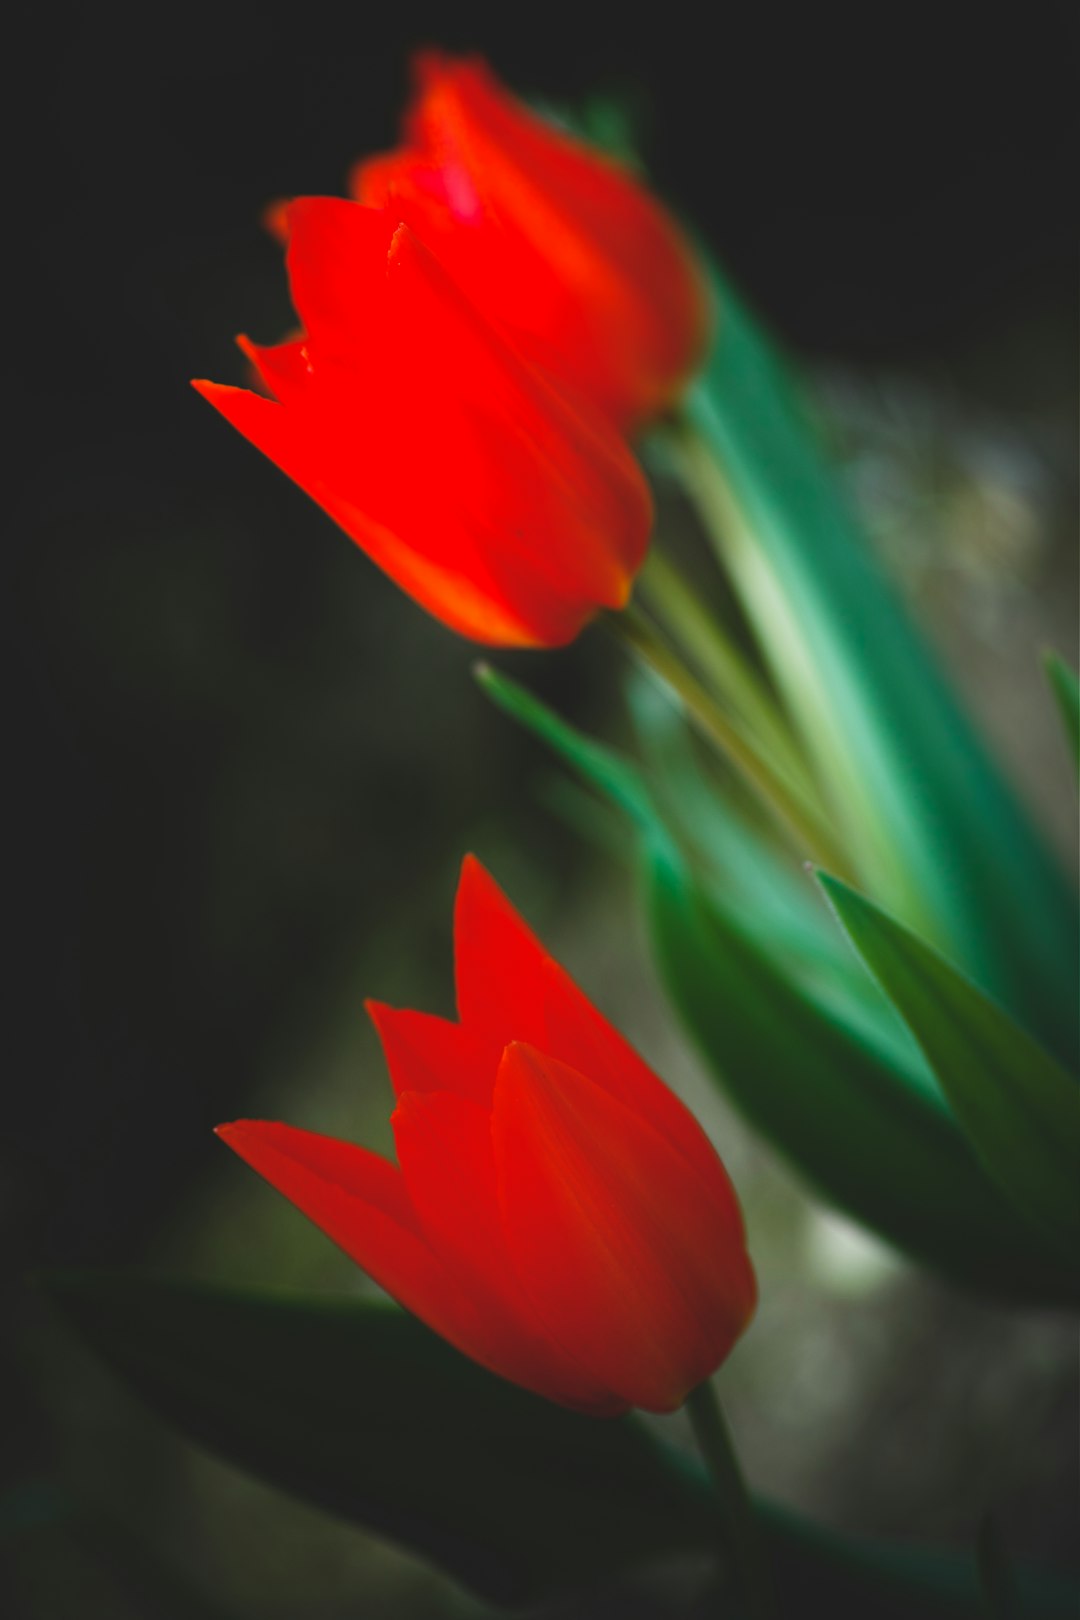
(746, 876)
(615, 777)
(72, 1558)
(833, 1090)
(926, 817)
(885, 1151)
(1018, 1106)
(1066, 690)
(358, 1408)
(751, 880)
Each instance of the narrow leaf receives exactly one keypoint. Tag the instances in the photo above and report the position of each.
(755, 883)
(926, 816)
(1018, 1106)
(1066, 690)
(884, 1151)
(359, 1409)
(602, 767)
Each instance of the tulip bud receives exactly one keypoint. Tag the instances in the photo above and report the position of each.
(555, 241)
(556, 1212)
(510, 513)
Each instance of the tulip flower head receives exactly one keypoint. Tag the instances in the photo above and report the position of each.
(555, 1212)
(554, 240)
(509, 512)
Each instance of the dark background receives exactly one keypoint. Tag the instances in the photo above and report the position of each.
(238, 761)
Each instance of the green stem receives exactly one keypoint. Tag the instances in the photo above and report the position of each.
(679, 606)
(741, 1540)
(807, 834)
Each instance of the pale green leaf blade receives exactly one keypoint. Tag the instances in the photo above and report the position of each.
(1066, 690)
(927, 817)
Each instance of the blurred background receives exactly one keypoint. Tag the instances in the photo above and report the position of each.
(243, 768)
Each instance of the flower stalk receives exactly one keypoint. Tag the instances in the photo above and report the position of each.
(799, 821)
(742, 1545)
(675, 603)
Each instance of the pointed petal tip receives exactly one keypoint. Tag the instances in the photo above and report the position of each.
(473, 875)
(384, 1015)
(405, 251)
(216, 393)
(430, 67)
(518, 1051)
(407, 1105)
(476, 888)
(239, 1127)
(232, 1132)
(426, 64)
(275, 218)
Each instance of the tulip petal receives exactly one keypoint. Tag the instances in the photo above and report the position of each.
(275, 219)
(400, 181)
(426, 1053)
(498, 963)
(556, 495)
(445, 1150)
(509, 987)
(284, 368)
(337, 262)
(299, 447)
(584, 1038)
(359, 1200)
(509, 512)
(638, 1270)
(555, 239)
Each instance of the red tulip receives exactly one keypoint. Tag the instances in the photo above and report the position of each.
(508, 512)
(555, 241)
(556, 1213)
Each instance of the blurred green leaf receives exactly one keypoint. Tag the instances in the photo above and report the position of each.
(886, 1152)
(766, 892)
(832, 1091)
(1066, 690)
(602, 767)
(358, 1408)
(774, 903)
(68, 1558)
(927, 819)
(1018, 1106)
